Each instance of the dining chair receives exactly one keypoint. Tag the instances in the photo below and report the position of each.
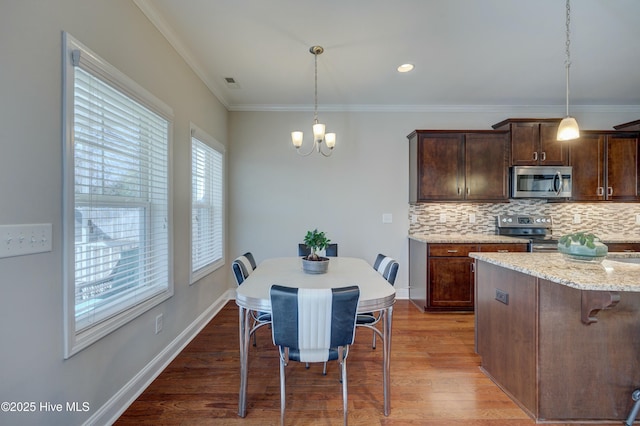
(242, 267)
(388, 268)
(313, 325)
(331, 250)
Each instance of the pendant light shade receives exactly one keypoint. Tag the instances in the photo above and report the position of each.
(568, 129)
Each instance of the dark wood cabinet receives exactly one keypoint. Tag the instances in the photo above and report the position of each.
(458, 166)
(441, 275)
(605, 166)
(623, 247)
(450, 281)
(534, 142)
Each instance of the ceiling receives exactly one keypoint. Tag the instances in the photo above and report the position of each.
(467, 53)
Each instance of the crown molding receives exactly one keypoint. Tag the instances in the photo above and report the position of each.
(150, 11)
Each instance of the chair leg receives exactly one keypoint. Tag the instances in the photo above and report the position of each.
(373, 345)
(343, 369)
(324, 369)
(282, 391)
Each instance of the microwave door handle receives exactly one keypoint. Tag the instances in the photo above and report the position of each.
(560, 183)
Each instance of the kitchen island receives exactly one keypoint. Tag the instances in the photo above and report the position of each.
(562, 339)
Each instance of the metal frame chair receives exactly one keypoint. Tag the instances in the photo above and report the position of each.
(388, 268)
(242, 267)
(313, 325)
(331, 250)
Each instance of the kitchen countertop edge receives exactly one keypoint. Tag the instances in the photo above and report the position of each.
(606, 276)
(469, 238)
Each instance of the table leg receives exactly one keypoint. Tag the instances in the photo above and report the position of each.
(245, 328)
(386, 358)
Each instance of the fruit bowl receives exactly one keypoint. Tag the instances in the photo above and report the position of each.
(582, 247)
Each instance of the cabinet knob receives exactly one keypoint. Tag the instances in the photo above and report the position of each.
(535, 156)
(503, 251)
(600, 191)
(452, 251)
(610, 191)
(543, 156)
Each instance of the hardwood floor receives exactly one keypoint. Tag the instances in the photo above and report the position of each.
(435, 380)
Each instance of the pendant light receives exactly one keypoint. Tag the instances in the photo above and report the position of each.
(319, 135)
(568, 129)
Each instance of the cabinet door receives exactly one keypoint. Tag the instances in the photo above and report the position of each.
(586, 156)
(622, 168)
(525, 139)
(486, 174)
(451, 284)
(552, 151)
(440, 159)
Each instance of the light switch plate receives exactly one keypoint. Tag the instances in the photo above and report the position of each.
(387, 218)
(18, 240)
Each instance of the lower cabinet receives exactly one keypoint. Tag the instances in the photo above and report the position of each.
(441, 275)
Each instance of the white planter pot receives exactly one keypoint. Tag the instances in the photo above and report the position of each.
(315, 266)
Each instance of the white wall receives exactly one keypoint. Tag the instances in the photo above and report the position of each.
(31, 326)
(276, 196)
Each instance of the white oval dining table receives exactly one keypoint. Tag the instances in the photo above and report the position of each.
(376, 294)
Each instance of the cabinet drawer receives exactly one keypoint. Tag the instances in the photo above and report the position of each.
(451, 250)
(624, 247)
(503, 248)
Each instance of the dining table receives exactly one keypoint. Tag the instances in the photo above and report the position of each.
(376, 295)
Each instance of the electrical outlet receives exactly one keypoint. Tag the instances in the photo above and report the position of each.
(414, 218)
(577, 218)
(443, 217)
(159, 323)
(502, 296)
(638, 219)
(387, 218)
(472, 218)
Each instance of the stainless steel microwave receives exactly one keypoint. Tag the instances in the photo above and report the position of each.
(540, 182)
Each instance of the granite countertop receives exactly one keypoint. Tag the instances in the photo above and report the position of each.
(610, 275)
(468, 238)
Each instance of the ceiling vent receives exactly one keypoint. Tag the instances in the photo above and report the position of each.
(231, 83)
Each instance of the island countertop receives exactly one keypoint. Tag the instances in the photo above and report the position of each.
(610, 275)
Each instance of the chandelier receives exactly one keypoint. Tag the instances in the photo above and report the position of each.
(568, 129)
(319, 135)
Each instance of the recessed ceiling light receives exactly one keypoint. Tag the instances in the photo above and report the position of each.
(405, 67)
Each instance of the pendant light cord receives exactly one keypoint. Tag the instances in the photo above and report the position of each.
(567, 61)
(315, 105)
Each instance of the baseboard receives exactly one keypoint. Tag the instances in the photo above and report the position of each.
(116, 405)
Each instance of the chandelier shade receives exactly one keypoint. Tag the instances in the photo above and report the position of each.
(320, 138)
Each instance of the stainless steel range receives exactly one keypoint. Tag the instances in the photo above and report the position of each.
(537, 228)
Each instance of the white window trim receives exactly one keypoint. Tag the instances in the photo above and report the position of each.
(76, 341)
(202, 136)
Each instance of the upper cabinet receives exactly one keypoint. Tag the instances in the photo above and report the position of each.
(605, 166)
(533, 142)
(447, 165)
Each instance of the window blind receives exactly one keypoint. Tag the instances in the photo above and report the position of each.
(207, 207)
(121, 200)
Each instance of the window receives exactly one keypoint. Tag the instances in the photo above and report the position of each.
(207, 205)
(117, 220)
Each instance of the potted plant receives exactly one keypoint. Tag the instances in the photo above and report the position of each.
(315, 241)
(582, 246)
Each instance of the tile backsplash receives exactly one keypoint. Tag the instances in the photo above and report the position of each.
(456, 218)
